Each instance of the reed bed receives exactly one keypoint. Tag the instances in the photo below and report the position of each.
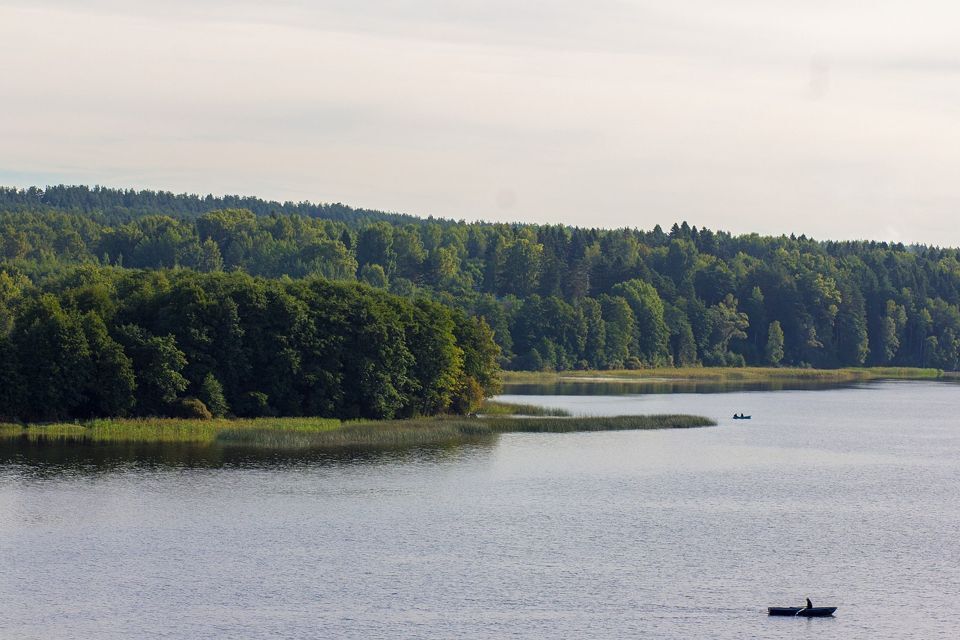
(162, 430)
(381, 433)
(492, 408)
(321, 433)
(599, 423)
(728, 374)
(436, 431)
(8, 429)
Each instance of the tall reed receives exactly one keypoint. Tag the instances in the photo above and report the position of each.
(722, 374)
(162, 430)
(300, 433)
(493, 408)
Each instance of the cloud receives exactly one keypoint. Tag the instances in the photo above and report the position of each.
(819, 118)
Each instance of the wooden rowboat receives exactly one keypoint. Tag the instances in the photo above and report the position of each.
(803, 612)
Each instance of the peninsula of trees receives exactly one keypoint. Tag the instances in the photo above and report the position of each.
(296, 308)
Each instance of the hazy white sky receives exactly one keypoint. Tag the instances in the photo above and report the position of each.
(838, 119)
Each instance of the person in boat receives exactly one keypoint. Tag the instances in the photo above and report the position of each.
(809, 604)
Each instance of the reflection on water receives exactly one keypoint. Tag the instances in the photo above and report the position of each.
(844, 495)
(57, 455)
(51, 457)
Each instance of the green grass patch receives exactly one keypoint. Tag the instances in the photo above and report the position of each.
(492, 408)
(727, 374)
(598, 423)
(437, 431)
(379, 433)
(321, 433)
(162, 430)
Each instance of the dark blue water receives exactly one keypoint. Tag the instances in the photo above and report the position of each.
(847, 496)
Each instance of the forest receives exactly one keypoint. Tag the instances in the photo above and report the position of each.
(159, 274)
(101, 341)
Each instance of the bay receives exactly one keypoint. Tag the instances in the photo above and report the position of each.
(847, 495)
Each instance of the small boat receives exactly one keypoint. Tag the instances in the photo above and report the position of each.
(741, 417)
(803, 612)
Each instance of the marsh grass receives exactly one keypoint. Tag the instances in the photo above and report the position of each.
(321, 433)
(10, 430)
(435, 431)
(381, 433)
(728, 374)
(493, 408)
(598, 423)
(162, 430)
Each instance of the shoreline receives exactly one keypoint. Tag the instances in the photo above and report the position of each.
(323, 433)
(727, 374)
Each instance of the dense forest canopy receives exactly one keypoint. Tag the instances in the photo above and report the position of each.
(555, 297)
(102, 341)
(116, 205)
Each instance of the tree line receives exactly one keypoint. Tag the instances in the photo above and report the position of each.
(95, 341)
(556, 297)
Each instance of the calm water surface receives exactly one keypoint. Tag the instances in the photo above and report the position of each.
(848, 496)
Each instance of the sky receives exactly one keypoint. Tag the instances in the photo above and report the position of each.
(836, 119)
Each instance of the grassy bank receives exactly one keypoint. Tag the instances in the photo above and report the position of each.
(728, 374)
(161, 430)
(299, 433)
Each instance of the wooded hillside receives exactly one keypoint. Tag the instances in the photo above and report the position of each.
(555, 296)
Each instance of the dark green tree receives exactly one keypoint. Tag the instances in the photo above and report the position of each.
(774, 348)
(211, 394)
(157, 364)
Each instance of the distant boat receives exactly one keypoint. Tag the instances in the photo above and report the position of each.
(803, 612)
(741, 417)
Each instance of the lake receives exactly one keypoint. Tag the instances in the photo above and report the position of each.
(846, 495)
